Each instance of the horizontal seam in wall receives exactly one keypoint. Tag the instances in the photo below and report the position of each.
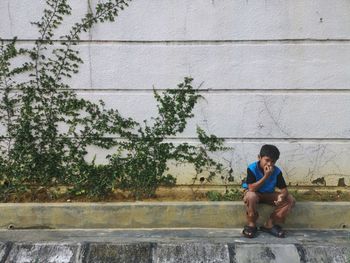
(227, 91)
(292, 140)
(267, 139)
(219, 91)
(252, 140)
(200, 42)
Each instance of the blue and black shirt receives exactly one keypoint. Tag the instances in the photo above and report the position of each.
(254, 174)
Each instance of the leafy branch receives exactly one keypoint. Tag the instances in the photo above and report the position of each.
(48, 128)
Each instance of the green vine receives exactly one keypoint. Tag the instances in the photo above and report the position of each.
(47, 128)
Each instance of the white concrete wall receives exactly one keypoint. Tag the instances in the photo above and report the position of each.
(275, 71)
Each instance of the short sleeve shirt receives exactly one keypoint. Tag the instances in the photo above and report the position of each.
(280, 180)
(254, 174)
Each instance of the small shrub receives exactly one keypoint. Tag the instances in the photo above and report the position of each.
(232, 194)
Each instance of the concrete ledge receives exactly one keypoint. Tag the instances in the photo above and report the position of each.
(321, 215)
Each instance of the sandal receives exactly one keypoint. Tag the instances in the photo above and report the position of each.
(249, 231)
(276, 231)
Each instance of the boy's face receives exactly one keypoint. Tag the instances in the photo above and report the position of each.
(266, 161)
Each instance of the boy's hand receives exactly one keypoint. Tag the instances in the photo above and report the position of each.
(268, 170)
(279, 200)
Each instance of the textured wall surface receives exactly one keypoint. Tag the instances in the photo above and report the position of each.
(272, 71)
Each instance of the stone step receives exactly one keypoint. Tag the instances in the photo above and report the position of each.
(170, 245)
(318, 215)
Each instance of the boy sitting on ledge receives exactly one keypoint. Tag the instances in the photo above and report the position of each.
(262, 179)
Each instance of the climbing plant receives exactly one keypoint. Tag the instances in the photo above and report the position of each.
(46, 127)
(145, 166)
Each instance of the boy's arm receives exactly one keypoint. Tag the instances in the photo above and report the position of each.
(281, 184)
(282, 196)
(255, 186)
(284, 192)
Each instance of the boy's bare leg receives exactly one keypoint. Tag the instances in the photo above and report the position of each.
(251, 199)
(281, 211)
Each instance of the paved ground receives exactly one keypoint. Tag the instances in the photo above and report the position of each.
(172, 245)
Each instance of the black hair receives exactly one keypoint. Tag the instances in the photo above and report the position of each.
(270, 151)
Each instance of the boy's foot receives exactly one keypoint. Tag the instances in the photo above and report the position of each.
(250, 231)
(276, 231)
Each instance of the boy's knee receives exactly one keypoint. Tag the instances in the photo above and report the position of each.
(251, 197)
(291, 200)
